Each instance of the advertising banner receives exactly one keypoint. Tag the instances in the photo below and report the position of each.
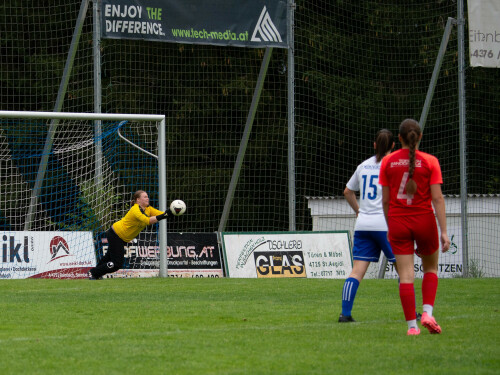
(246, 23)
(189, 255)
(50, 255)
(450, 263)
(484, 33)
(287, 254)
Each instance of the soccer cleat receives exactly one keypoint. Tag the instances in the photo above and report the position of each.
(346, 319)
(430, 323)
(419, 316)
(413, 332)
(91, 277)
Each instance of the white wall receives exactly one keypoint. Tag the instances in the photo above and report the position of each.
(333, 213)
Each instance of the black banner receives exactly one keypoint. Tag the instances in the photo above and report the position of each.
(245, 23)
(189, 255)
(193, 251)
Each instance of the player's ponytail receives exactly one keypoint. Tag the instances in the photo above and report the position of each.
(410, 132)
(383, 143)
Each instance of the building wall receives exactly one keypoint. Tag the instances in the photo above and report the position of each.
(333, 213)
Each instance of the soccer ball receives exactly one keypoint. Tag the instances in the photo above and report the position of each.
(178, 207)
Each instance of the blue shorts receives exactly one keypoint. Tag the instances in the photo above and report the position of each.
(368, 244)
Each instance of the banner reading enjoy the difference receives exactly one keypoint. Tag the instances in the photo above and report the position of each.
(246, 23)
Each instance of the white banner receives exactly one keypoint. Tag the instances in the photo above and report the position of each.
(484, 33)
(287, 254)
(51, 255)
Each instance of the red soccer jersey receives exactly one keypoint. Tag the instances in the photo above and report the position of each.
(394, 174)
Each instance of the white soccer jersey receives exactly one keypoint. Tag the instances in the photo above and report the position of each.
(365, 180)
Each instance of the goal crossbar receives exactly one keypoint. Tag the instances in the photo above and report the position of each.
(80, 116)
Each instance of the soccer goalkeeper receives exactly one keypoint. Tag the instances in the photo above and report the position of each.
(140, 215)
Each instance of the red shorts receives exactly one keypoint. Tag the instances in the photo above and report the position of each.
(405, 230)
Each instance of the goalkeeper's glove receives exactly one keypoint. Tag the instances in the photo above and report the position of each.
(162, 216)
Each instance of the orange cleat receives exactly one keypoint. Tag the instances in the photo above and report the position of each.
(413, 332)
(430, 323)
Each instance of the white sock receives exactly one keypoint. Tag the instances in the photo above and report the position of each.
(428, 309)
(412, 324)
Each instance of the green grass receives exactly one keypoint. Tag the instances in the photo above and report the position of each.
(241, 326)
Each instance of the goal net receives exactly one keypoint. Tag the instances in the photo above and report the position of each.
(65, 181)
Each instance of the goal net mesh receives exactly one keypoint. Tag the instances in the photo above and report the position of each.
(85, 181)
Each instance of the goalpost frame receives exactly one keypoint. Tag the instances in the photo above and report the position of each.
(162, 171)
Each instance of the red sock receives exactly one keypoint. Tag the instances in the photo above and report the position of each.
(407, 296)
(429, 288)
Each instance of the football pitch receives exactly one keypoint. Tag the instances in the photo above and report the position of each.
(241, 326)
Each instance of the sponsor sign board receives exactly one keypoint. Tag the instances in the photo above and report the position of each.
(287, 254)
(51, 255)
(249, 23)
(484, 33)
(189, 255)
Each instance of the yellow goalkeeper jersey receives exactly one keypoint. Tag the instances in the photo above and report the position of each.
(134, 222)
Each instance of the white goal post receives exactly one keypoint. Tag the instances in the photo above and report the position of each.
(97, 118)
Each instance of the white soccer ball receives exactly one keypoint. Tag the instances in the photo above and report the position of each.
(178, 207)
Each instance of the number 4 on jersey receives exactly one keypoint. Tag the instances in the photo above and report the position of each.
(401, 193)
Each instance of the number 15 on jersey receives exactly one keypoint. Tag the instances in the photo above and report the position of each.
(372, 181)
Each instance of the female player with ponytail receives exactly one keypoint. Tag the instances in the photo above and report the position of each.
(411, 186)
(370, 231)
(140, 215)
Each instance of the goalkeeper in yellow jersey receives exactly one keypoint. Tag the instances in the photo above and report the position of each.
(140, 215)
